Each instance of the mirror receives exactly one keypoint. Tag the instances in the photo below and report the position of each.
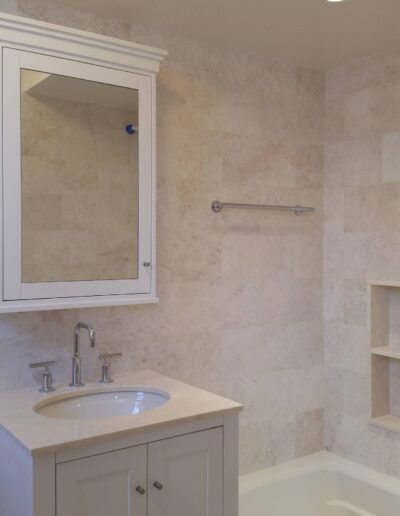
(80, 177)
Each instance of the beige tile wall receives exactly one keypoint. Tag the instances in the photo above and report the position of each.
(361, 243)
(240, 308)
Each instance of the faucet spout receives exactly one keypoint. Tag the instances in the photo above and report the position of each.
(92, 335)
(76, 359)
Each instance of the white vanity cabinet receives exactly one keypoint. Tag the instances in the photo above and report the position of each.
(186, 469)
(78, 165)
(180, 476)
(179, 459)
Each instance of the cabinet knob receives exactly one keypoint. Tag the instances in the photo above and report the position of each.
(140, 490)
(157, 485)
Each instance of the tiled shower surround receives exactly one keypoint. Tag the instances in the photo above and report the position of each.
(361, 243)
(242, 312)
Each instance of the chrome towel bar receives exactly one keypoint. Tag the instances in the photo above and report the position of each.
(218, 206)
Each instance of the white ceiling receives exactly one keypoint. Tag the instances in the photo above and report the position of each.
(312, 33)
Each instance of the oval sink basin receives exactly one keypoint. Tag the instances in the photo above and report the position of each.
(98, 405)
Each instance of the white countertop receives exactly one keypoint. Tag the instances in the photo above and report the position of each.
(39, 434)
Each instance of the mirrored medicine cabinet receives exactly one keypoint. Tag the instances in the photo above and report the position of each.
(78, 174)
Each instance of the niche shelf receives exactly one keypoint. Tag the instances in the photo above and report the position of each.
(384, 334)
(387, 351)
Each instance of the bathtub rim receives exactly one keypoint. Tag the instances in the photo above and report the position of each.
(319, 462)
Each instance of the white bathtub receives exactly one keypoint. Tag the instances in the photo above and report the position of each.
(319, 485)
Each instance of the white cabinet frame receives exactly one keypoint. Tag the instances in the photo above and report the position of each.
(13, 62)
(36, 476)
(35, 45)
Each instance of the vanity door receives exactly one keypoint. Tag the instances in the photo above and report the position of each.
(77, 179)
(111, 484)
(186, 475)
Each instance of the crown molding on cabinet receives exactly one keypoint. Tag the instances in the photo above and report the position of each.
(72, 43)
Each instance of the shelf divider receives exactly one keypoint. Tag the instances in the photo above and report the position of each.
(387, 351)
(389, 421)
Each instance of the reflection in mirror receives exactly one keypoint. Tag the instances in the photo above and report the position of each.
(80, 176)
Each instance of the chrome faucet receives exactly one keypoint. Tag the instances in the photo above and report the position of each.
(76, 359)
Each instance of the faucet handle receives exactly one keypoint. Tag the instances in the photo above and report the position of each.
(47, 377)
(106, 356)
(106, 367)
(46, 365)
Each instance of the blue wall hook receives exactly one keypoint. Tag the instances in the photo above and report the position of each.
(131, 129)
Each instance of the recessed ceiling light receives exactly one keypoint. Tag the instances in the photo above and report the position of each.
(335, 0)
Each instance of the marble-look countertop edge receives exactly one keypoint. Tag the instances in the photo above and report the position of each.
(36, 452)
(225, 406)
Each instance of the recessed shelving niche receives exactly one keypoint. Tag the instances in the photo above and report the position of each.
(384, 331)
